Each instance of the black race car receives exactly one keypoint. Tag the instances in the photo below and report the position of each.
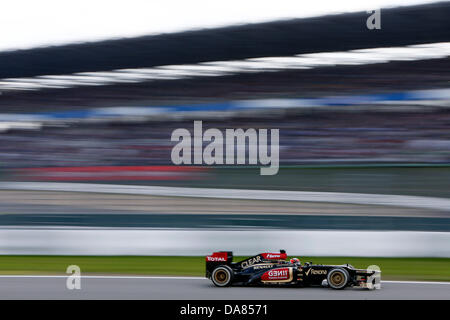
(273, 268)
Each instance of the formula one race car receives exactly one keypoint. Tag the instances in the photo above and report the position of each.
(273, 268)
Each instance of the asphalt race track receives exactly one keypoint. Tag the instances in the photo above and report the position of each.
(180, 288)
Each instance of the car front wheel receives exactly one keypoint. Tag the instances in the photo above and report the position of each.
(338, 278)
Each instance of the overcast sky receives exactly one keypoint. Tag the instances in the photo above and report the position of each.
(31, 23)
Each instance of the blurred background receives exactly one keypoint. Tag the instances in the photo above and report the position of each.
(364, 119)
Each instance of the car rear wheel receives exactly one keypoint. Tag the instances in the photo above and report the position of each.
(338, 278)
(222, 276)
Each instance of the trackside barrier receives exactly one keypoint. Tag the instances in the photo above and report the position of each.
(185, 242)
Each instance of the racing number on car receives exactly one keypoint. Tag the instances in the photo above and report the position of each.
(374, 280)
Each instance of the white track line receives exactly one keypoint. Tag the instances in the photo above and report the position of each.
(105, 277)
(415, 282)
(186, 278)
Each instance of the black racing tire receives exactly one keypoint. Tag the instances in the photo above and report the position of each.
(338, 278)
(222, 276)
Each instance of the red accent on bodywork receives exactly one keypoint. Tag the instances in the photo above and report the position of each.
(276, 274)
(274, 256)
(217, 257)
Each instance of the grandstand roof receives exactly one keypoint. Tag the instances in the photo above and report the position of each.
(400, 26)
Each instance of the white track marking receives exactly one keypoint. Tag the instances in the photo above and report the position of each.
(105, 277)
(416, 282)
(188, 278)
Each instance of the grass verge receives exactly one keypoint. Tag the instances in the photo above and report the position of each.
(426, 269)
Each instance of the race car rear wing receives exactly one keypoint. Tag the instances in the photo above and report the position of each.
(225, 257)
(217, 259)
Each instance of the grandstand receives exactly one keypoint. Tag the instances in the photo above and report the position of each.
(359, 111)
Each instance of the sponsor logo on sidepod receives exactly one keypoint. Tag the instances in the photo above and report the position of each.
(312, 271)
(276, 274)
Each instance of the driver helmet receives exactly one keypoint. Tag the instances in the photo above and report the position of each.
(295, 261)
